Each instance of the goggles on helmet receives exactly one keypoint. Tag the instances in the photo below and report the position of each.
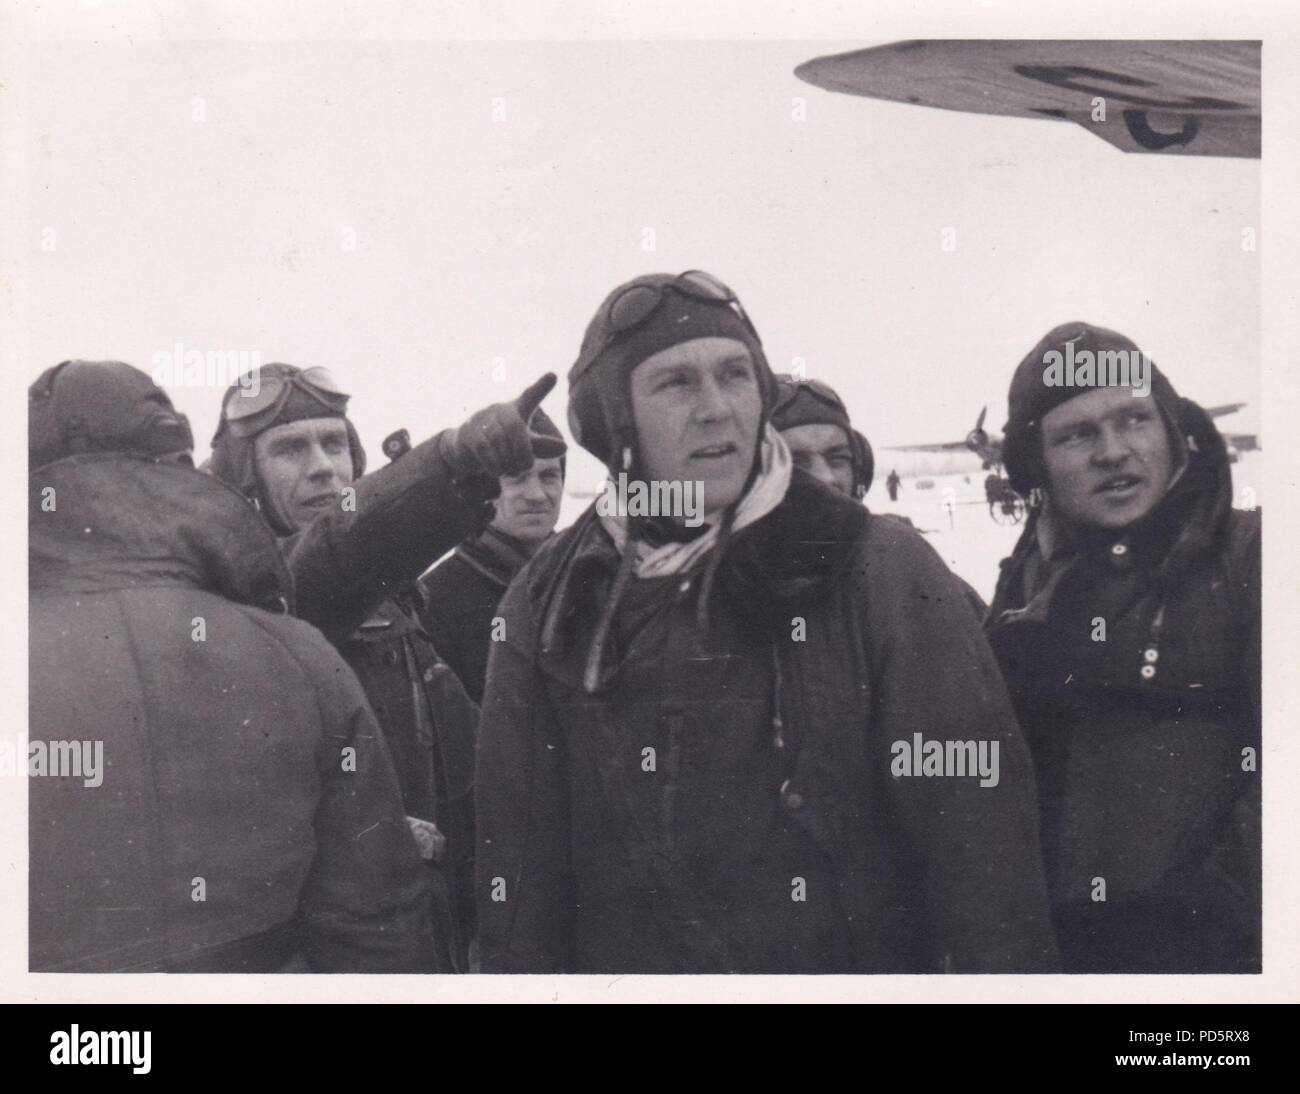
(249, 409)
(789, 387)
(637, 303)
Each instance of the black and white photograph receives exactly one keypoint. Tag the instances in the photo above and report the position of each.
(676, 501)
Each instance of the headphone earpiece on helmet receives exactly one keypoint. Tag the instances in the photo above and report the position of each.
(355, 447)
(1022, 457)
(864, 464)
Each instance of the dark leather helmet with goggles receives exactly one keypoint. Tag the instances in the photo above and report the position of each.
(258, 401)
(789, 388)
(807, 402)
(638, 302)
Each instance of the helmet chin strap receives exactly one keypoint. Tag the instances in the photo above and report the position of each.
(264, 502)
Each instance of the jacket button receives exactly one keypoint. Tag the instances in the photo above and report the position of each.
(429, 675)
(1148, 671)
(1119, 550)
(1152, 655)
(792, 799)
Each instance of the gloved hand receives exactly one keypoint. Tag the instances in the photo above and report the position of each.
(496, 440)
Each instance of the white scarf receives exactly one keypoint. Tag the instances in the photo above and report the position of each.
(763, 495)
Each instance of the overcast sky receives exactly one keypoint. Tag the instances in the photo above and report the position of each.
(409, 213)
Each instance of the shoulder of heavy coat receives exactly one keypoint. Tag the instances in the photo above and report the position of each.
(116, 520)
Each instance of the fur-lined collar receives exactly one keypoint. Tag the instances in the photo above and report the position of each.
(778, 566)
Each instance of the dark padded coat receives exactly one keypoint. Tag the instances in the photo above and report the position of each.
(459, 599)
(773, 746)
(353, 574)
(238, 747)
(1140, 739)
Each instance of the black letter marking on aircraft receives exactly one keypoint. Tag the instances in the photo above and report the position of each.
(1140, 130)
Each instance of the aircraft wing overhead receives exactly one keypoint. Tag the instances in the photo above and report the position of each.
(1199, 98)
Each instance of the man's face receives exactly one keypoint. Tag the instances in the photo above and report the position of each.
(1107, 457)
(304, 466)
(824, 452)
(529, 504)
(697, 408)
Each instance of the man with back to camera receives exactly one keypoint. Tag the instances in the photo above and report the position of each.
(246, 815)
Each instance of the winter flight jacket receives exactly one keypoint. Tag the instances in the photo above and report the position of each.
(353, 574)
(246, 792)
(859, 639)
(1134, 663)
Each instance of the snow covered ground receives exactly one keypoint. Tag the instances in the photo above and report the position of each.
(954, 517)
